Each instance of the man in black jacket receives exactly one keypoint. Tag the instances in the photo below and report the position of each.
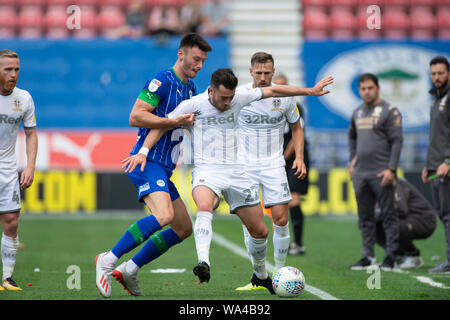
(375, 142)
(416, 221)
(437, 167)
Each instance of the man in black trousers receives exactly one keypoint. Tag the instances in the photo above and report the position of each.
(437, 167)
(375, 142)
(416, 221)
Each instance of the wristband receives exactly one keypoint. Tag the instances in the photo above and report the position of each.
(447, 161)
(144, 151)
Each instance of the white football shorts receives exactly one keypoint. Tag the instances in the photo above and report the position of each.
(274, 185)
(9, 191)
(234, 184)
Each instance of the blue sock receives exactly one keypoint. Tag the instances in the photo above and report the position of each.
(156, 246)
(137, 233)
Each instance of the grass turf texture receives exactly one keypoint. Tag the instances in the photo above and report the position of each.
(54, 244)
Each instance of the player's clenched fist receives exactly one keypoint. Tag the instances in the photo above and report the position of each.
(186, 120)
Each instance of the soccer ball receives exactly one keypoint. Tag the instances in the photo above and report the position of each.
(288, 282)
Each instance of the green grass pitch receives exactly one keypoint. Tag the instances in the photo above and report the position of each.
(58, 246)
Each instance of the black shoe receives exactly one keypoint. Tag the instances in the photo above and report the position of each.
(388, 263)
(363, 263)
(266, 283)
(202, 271)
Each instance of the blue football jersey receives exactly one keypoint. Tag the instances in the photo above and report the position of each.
(167, 91)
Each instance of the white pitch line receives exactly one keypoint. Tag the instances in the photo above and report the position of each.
(222, 241)
(431, 282)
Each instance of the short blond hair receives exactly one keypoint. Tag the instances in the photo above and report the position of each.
(8, 54)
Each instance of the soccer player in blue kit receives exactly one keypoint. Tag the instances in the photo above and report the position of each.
(159, 97)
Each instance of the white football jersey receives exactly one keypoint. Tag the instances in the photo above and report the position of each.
(15, 108)
(261, 128)
(213, 135)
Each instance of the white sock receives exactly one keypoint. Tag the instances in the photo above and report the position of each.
(203, 235)
(9, 248)
(110, 258)
(131, 267)
(280, 244)
(258, 250)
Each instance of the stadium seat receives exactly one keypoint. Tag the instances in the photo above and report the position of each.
(442, 17)
(8, 19)
(88, 23)
(23, 3)
(92, 3)
(117, 3)
(315, 23)
(343, 23)
(55, 20)
(395, 24)
(363, 32)
(51, 3)
(423, 22)
(8, 16)
(444, 34)
(110, 18)
(30, 17)
(314, 3)
(8, 2)
(348, 4)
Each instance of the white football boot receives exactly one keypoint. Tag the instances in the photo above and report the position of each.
(103, 275)
(128, 281)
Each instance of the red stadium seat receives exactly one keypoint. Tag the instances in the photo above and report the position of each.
(343, 23)
(442, 18)
(315, 23)
(89, 18)
(52, 3)
(8, 2)
(8, 17)
(363, 31)
(30, 17)
(366, 3)
(109, 19)
(395, 24)
(118, 3)
(444, 34)
(314, 3)
(93, 3)
(423, 22)
(56, 17)
(430, 3)
(22, 3)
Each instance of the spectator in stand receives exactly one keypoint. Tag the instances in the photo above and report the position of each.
(164, 20)
(190, 16)
(134, 26)
(215, 18)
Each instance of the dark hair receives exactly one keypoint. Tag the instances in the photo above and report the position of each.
(224, 77)
(194, 40)
(440, 59)
(368, 77)
(261, 58)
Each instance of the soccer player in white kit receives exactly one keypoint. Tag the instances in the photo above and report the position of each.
(16, 106)
(216, 165)
(261, 135)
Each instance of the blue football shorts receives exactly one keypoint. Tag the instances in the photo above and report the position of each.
(155, 177)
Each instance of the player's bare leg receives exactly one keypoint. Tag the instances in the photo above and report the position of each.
(9, 247)
(280, 234)
(206, 200)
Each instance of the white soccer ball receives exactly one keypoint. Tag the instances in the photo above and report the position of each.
(288, 282)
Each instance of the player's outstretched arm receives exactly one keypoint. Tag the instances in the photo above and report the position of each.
(141, 116)
(130, 163)
(290, 91)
